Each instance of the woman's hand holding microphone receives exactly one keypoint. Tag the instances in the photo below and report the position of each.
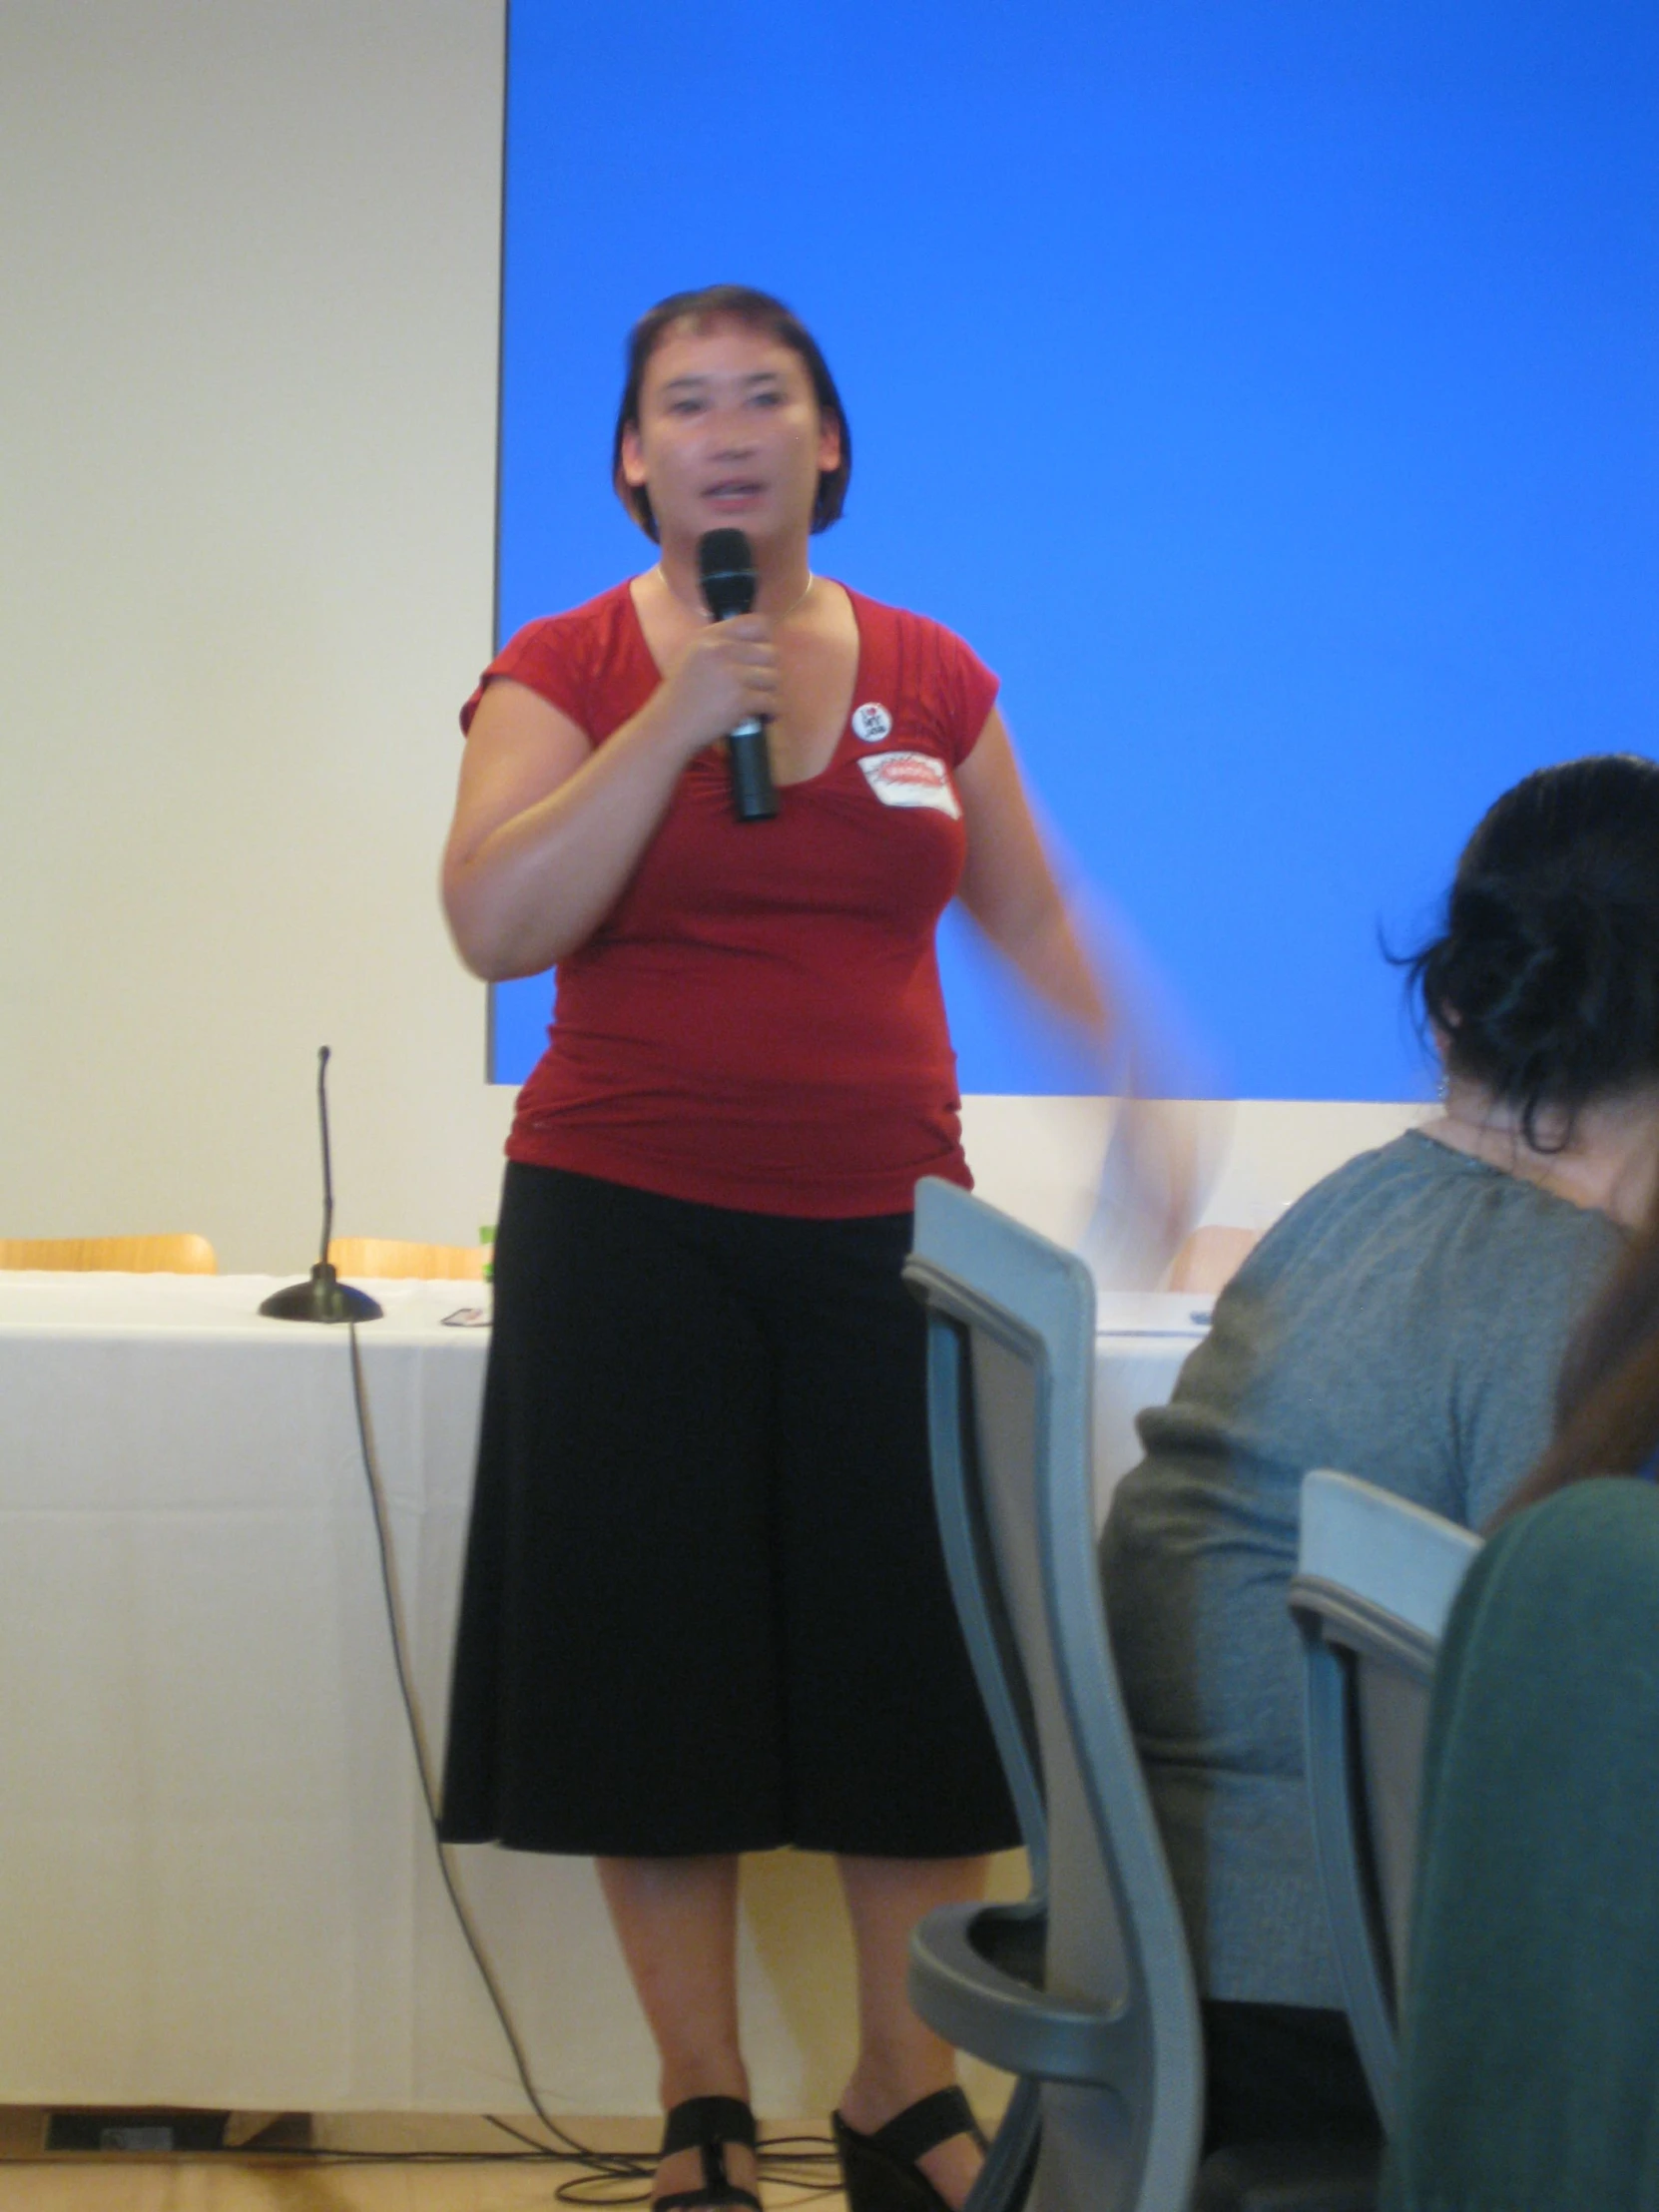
(726, 674)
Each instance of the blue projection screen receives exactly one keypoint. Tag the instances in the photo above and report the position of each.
(1264, 389)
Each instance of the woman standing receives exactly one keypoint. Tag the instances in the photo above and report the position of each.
(705, 1608)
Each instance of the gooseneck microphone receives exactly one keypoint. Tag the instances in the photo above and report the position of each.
(325, 1297)
(726, 568)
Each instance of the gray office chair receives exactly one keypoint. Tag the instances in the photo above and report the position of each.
(1085, 1989)
(1375, 1581)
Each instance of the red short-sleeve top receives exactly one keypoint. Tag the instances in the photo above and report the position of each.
(757, 1021)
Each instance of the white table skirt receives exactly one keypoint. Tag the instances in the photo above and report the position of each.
(217, 1884)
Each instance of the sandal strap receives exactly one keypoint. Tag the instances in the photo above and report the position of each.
(924, 2125)
(707, 2124)
(707, 2121)
(726, 2192)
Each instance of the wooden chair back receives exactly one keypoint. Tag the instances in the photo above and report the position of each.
(396, 1257)
(182, 1254)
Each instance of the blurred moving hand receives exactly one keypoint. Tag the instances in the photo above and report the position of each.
(1160, 1163)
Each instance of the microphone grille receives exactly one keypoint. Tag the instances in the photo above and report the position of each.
(726, 566)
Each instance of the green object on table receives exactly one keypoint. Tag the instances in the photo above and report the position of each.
(486, 1237)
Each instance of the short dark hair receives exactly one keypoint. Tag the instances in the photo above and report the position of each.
(1545, 981)
(731, 304)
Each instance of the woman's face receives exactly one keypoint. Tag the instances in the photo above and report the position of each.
(729, 435)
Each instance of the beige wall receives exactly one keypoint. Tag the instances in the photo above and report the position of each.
(249, 275)
(1038, 1157)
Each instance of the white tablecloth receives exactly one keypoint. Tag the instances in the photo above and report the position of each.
(217, 1886)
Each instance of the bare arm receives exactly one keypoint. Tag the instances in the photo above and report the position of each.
(1156, 1164)
(548, 830)
(1008, 887)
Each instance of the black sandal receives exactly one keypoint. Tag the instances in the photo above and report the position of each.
(707, 2124)
(879, 2171)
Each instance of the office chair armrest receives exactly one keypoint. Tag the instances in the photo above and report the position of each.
(973, 1979)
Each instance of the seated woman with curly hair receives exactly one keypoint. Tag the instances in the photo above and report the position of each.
(1405, 1322)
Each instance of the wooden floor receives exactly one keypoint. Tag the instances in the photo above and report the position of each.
(32, 2180)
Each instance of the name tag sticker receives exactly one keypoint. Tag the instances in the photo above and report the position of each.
(911, 780)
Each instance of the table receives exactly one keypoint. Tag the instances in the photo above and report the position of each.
(217, 1884)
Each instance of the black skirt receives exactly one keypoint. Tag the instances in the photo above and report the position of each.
(704, 1606)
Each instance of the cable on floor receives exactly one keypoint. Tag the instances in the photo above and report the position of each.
(806, 2163)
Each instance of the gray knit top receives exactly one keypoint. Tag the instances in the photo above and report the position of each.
(1405, 1322)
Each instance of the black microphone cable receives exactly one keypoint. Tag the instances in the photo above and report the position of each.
(604, 2178)
(608, 2177)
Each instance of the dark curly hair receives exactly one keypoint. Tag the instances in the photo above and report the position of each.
(730, 304)
(1545, 983)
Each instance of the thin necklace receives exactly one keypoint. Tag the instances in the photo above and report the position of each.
(1486, 1145)
(784, 617)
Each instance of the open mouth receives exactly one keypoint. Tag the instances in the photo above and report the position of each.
(732, 491)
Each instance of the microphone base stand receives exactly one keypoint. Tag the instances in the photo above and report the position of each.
(325, 1298)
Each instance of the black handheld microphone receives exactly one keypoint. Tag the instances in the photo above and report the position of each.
(726, 568)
